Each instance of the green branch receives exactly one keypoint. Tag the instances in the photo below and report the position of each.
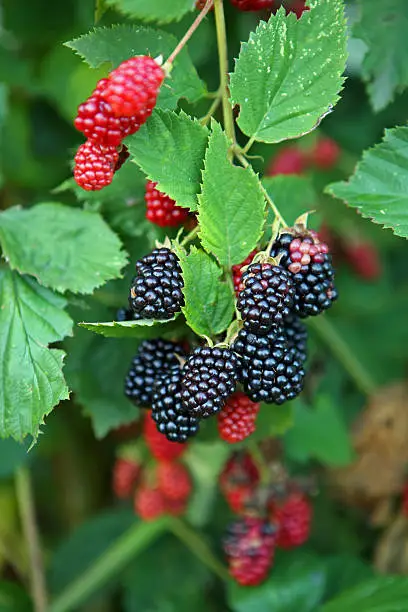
(223, 62)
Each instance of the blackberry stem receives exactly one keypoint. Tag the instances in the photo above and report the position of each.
(328, 333)
(259, 460)
(190, 236)
(188, 34)
(223, 63)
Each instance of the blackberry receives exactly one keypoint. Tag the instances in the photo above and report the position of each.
(271, 371)
(267, 296)
(296, 335)
(209, 377)
(126, 314)
(156, 291)
(95, 165)
(309, 263)
(168, 411)
(152, 359)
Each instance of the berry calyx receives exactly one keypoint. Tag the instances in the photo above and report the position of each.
(267, 296)
(209, 377)
(293, 519)
(161, 448)
(95, 165)
(133, 87)
(252, 5)
(289, 160)
(174, 481)
(162, 210)
(236, 421)
(125, 476)
(325, 153)
(156, 290)
(149, 503)
(237, 272)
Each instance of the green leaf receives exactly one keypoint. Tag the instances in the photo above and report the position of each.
(381, 594)
(288, 75)
(31, 380)
(345, 571)
(293, 195)
(273, 421)
(378, 187)
(319, 432)
(296, 584)
(153, 10)
(209, 303)
(65, 248)
(120, 42)
(383, 27)
(232, 206)
(12, 455)
(144, 328)
(170, 149)
(13, 598)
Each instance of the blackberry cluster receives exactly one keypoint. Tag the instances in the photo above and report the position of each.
(156, 291)
(210, 375)
(267, 296)
(271, 371)
(309, 264)
(168, 411)
(153, 358)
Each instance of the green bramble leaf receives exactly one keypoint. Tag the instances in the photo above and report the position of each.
(232, 206)
(64, 248)
(378, 187)
(379, 594)
(273, 421)
(288, 75)
(153, 10)
(209, 302)
(170, 149)
(383, 27)
(144, 328)
(120, 42)
(31, 379)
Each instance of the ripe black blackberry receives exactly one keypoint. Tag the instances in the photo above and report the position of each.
(271, 371)
(126, 314)
(267, 297)
(152, 359)
(296, 335)
(156, 291)
(309, 263)
(168, 411)
(210, 376)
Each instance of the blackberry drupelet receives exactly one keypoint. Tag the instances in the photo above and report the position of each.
(296, 335)
(156, 291)
(152, 359)
(267, 297)
(309, 262)
(210, 375)
(270, 370)
(168, 412)
(126, 314)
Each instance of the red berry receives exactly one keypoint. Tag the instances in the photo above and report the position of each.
(95, 165)
(161, 209)
(160, 447)
(289, 160)
(252, 5)
(96, 120)
(293, 519)
(132, 88)
(250, 546)
(305, 251)
(325, 153)
(238, 481)
(236, 421)
(237, 272)
(176, 507)
(364, 259)
(149, 503)
(174, 481)
(298, 7)
(125, 476)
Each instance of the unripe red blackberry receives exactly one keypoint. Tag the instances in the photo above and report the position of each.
(237, 272)
(125, 476)
(236, 421)
(210, 375)
(162, 210)
(168, 411)
(252, 5)
(267, 297)
(153, 358)
(289, 160)
(271, 371)
(250, 546)
(96, 120)
(293, 519)
(156, 291)
(309, 263)
(161, 448)
(95, 165)
(238, 480)
(133, 87)
(149, 503)
(174, 481)
(364, 258)
(325, 153)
